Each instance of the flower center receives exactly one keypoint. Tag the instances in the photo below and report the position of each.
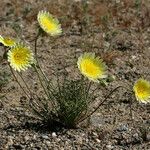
(90, 68)
(21, 57)
(143, 91)
(48, 23)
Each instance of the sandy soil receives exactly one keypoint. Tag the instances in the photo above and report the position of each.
(116, 30)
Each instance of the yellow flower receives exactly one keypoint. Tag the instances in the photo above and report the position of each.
(7, 41)
(49, 24)
(92, 67)
(142, 90)
(20, 57)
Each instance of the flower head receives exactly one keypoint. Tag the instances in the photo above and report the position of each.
(142, 90)
(92, 67)
(7, 41)
(49, 24)
(20, 57)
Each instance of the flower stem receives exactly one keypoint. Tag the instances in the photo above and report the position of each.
(102, 102)
(18, 82)
(25, 83)
(36, 57)
(41, 81)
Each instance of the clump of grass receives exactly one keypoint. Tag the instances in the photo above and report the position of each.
(67, 102)
(72, 98)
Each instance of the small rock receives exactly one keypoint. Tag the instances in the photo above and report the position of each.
(58, 140)
(45, 137)
(148, 137)
(136, 135)
(34, 137)
(10, 142)
(95, 134)
(87, 140)
(123, 127)
(54, 135)
(137, 138)
(97, 140)
(21, 131)
(133, 57)
(109, 146)
(79, 140)
(48, 143)
(26, 138)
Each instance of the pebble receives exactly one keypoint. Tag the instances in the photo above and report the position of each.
(95, 134)
(45, 137)
(123, 127)
(26, 138)
(98, 141)
(48, 143)
(10, 140)
(79, 140)
(109, 146)
(148, 137)
(57, 140)
(137, 137)
(34, 137)
(54, 135)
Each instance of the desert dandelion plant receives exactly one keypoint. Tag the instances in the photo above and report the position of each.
(20, 57)
(92, 67)
(142, 90)
(49, 24)
(7, 41)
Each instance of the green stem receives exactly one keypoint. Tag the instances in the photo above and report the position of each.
(36, 57)
(35, 44)
(41, 81)
(35, 110)
(88, 89)
(29, 97)
(25, 83)
(18, 81)
(102, 102)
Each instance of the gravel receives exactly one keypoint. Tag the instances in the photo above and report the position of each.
(122, 41)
